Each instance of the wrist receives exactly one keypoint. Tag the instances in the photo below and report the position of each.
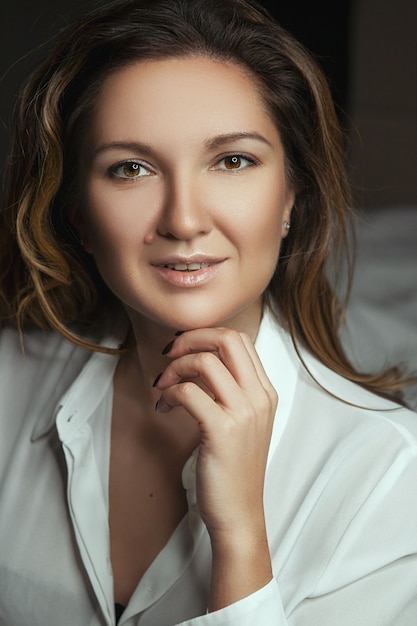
(242, 543)
(242, 535)
(241, 566)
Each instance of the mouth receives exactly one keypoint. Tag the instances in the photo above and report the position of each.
(186, 267)
(189, 272)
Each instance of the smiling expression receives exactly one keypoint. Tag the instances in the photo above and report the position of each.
(183, 193)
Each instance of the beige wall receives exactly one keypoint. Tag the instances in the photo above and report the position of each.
(383, 102)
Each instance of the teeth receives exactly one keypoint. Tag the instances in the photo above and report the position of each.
(196, 266)
(187, 267)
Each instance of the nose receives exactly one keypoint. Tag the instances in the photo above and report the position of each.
(184, 214)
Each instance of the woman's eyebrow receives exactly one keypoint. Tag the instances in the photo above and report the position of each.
(211, 144)
(133, 146)
(220, 140)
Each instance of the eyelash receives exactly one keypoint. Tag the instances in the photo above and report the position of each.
(251, 161)
(112, 171)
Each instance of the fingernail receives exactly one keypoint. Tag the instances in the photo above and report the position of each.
(155, 382)
(168, 347)
(179, 332)
(156, 405)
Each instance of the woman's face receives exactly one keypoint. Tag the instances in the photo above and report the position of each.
(184, 195)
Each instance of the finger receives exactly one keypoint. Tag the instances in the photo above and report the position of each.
(257, 363)
(207, 368)
(192, 398)
(249, 424)
(227, 344)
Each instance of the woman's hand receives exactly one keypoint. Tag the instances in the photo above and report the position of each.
(216, 375)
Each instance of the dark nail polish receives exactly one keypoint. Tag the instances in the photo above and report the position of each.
(168, 347)
(156, 405)
(155, 382)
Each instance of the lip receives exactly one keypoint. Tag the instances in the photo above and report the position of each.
(197, 257)
(191, 278)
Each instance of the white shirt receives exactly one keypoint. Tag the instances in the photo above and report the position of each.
(340, 501)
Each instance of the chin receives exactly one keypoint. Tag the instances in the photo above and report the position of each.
(185, 314)
(239, 319)
(187, 318)
(191, 322)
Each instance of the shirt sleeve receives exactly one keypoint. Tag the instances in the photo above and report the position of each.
(387, 597)
(262, 607)
(370, 578)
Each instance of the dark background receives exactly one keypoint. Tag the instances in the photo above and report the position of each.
(366, 48)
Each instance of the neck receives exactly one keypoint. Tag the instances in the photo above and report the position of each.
(146, 342)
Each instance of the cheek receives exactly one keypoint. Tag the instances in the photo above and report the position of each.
(257, 220)
(113, 223)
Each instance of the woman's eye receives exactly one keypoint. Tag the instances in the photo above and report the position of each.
(235, 162)
(129, 169)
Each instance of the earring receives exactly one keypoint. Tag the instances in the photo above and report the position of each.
(287, 225)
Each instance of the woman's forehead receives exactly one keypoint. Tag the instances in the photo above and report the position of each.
(193, 94)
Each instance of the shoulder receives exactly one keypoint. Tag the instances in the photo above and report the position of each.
(359, 438)
(34, 372)
(329, 404)
(347, 393)
(35, 355)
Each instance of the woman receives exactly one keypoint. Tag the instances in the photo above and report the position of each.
(183, 441)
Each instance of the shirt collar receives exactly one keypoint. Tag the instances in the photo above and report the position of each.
(85, 392)
(282, 366)
(273, 345)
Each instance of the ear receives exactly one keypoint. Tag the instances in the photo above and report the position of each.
(286, 215)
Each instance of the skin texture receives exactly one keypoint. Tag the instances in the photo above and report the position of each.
(182, 164)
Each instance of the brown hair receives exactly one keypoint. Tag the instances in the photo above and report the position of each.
(47, 280)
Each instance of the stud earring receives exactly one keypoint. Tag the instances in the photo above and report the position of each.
(287, 225)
